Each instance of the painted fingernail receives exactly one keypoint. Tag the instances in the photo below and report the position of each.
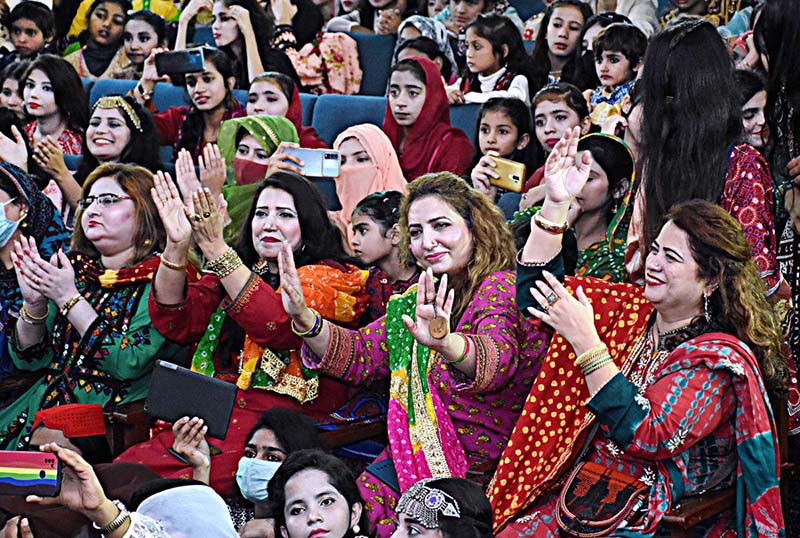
(27, 252)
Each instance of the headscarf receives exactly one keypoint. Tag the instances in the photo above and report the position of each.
(43, 223)
(432, 29)
(269, 131)
(353, 185)
(187, 511)
(433, 124)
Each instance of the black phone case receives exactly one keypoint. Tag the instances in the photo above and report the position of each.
(176, 392)
(180, 62)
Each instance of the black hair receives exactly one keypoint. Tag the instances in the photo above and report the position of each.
(263, 29)
(16, 71)
(500, 32)
(562, 91)
(584, 75)
(156, 22)
(540, 57)
(383, 207)
(293, 430)
(67, 87)
(284, 81)
(125, 5)
(616, 161)
(749, 83)
(429, 48)
(9, 118)
(321, 239)
(409, 65)
(475, 520)
(36, 12)
(626, 39)
(94, 448)
(142, 148)
(194, 124)
(689, 76)
(339, 476)
(519, 113)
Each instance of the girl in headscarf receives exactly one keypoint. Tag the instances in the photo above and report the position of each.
(369, 164)
(417, 122)
(418, 26)
(25, 210)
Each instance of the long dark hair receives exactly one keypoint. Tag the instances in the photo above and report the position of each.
(321, 239)
(520, 115)
(195, 123)
(339, 476)
(475, 520)
(142, 148)
(617, 162)
(499, 31)
(689, 76)
(294, 431)
(8, 118)
(540, 58)
(67, 89)
(263, 29)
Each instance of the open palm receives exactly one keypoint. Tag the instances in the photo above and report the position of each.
(565, 174)
(170, 209)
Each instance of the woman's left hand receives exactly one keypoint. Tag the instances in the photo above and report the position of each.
(14, 150)
(49, 156)
(572, 317)
(242, 18)
(431, 304)
(212, 168)
(294, 302)
(55, 279)
(207, 224)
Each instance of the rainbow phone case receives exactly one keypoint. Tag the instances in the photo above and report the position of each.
(29, 473)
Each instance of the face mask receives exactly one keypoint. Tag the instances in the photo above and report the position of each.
(7, 227)
(253, 475)
(248, 171)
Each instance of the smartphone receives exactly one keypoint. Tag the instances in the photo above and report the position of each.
(317, 162)
(511, 174)
(180, 62)
(29, 473)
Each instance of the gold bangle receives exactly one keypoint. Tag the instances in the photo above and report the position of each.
(591, 353)
(598, 365)
(225, 264)
(69, 304)
(170, 265)
(30, 319)
(548, 225)
(315, 329)
(589, 365)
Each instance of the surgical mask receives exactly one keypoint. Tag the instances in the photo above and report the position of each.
(7, 227)
(248, 171)
(253, 475)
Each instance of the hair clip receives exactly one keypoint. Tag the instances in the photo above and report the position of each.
(117, 101)
(685, 25)
(424, 504)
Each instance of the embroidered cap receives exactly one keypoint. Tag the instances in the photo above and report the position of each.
(424, 504)
(75, 420)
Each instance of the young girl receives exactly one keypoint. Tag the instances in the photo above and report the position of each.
(497, 63)
(276, 94)
(244, 32)
(753, 90)
(376, 242)
(144, 32)
(103, 54)
(417, 121)
(505, 129)
(417, 26)
(32, 29)
(556, 109)
(11, 87)
(426, 48)
(192, 127)
(556, 48)
(53, 96)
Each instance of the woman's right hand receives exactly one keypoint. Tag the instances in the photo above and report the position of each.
(283, 11)
(150, 74)
(190, 441)
(10, 528)
(194, 7)
(294, 302)
(14, 151)
(186, 176)
(564, 175)
(280, 161)
(171, 210)
(482, 175)
(50, 157)
(21, 256)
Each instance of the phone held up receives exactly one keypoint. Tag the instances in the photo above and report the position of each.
(511, 174)
(29, 473)
(317, 162)
(180, 62)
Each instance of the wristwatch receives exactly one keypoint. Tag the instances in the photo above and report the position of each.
(118, 521)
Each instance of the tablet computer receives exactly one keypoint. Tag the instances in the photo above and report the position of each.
(177, 392)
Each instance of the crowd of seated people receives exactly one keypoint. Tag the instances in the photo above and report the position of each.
(464, 267)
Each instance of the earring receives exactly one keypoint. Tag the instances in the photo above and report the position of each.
(615, 207)
(706, 309)
(357, 530)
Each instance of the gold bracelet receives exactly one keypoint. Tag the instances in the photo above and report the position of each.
(225, 264)
(598, 365)
(30, 319)
(315, 329)
(548, 225)
(69, 304)
(170, 265)
(588, 366)
(591, 353)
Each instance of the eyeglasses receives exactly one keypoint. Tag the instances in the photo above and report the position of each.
(103, 200)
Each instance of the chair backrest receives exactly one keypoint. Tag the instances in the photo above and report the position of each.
(308, 101)
(87, 84)
(375, 57)
(203, 34)
(335, 113)
(465, 117)
(527, 8)
(107, 86)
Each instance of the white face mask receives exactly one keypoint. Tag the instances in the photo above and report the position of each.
(253, 475)
(7, 227)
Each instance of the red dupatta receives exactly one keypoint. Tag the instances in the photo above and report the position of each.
(424, 139)
(308, 135)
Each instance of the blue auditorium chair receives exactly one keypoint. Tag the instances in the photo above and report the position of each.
(375, 56)
(335, 113)
(107, 86)
(465, 117)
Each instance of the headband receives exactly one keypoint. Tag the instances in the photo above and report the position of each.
(116, 101)
(425, 504)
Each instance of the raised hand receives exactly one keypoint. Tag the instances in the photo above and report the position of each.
(49, 156)
(283, 11)
(10, 528)
(54, 279)
(194, 7)
(190, 442)
(564, 175)
(186, 176)
(431, 304)
(207, 223)
(171, 209)
(27, 286)
(242, 18)
(14, 150)
(213, 169)
(280, 161)
(294, 303)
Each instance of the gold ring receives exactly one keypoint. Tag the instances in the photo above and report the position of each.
(196, 217)
(552, 299)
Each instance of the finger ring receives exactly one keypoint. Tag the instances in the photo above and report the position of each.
(36, 280)
(206, 215)
(196, 217)
(552, 299)
(546, 308)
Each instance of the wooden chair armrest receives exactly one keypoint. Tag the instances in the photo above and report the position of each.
(694, 510)
(346, 434)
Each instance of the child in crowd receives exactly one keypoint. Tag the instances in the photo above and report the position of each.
(618, 52)
(427, 48)
(144, 32)
(11, 87)
(497, 63)
(417, 121)
(32, 28)
(718, 12)
(505, 129)
(418, 26)
(376, 243)
(585, 74)
(753, 88)
(103, 54)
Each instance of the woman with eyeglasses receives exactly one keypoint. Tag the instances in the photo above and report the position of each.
(83, 323)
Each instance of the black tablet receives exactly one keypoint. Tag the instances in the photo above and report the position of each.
(176, 392)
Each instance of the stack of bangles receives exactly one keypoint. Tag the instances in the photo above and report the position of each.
(595, 358)
(315, 329)
(225, 264)
(30, 319)
(284, 36)
(464, 355)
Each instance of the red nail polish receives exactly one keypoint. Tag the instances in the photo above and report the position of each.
(27, 252)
